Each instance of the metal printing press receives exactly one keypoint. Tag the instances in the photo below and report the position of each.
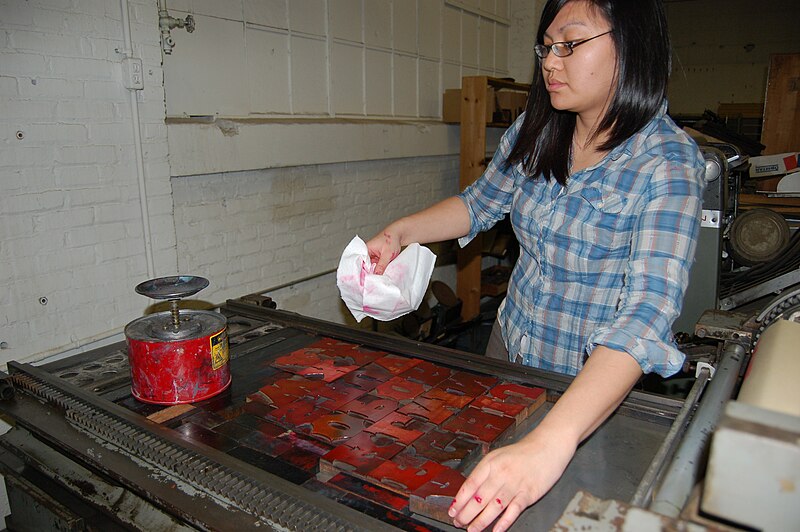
(85, 454)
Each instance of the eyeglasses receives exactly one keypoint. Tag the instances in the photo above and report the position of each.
(562, 49)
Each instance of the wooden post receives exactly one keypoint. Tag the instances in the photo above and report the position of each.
(473, 154)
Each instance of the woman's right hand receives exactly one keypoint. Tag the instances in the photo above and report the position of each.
(383, 248)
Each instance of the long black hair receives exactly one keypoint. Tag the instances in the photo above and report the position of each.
(643, 65)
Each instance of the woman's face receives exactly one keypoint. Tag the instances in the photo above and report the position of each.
(584, 81)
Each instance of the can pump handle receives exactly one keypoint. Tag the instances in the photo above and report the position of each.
(173, 289)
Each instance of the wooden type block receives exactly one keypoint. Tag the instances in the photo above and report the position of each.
(269, 445)
(397, 364)
(434, 498)
(511, 400)
(400, 389)
(301, 458)
(259, 423)
(198, 434)
(447, 448)
(402, 478)
(266, 436)
(479, 425)
(347, 459)
(370, 491)
(336, 428)
(331, 344)
(427, 373)
(271, 464)
(370, 407)
(466, 383)
(395, 426)
(420, 425)
(284, 392)
(258, 407)
(511, 392)
(368, 377)
(328, 369)
(434, 411)
(517, 412)
(362, 356)
(172, 412)
(205, 419)
(518, 408)
(233, 429)
(230, 411)
(297, 360)
(298, 414)
(367, 506)
(452, 400)
(221, 404)
(353, 353)
(337, 394)
(375, 444)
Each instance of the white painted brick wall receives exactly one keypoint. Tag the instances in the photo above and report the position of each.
(70, 217)
(249, 231)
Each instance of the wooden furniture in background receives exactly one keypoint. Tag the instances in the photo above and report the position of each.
(781, 131)
(785, 206)
(474, 91)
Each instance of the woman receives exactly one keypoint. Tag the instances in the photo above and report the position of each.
(603, 192)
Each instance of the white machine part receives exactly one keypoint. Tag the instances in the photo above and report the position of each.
(753, 475)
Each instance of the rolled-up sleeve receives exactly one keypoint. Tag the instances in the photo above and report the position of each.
(489, 198)
(662, 250)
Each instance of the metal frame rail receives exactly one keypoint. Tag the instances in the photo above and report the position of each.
(154, 462)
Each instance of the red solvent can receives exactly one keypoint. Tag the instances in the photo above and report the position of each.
(178, 363)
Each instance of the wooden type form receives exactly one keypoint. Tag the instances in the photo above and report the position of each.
(390, 422)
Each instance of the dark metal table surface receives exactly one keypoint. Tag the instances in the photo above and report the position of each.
(610, 464)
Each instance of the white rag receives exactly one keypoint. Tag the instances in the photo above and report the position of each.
(384, 297)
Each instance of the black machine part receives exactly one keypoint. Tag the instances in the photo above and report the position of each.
(758, 236)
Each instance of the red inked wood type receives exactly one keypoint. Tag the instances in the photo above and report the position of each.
(478, 424)
(328, 369)
(297, 360)
(368, 377)
(299, 413)
(405, 479)
(349, 460)
(370, 407)
(376, 444)
(336, 394)
(427, 373)
(395, 426)
(466, 383)
(371, 492)
(447, 448)
(397, 364)
(434, 498)
(452, 400)
(336, 428)
(434, 411)
(399, 389)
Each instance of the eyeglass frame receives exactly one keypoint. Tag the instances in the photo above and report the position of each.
(543, 50)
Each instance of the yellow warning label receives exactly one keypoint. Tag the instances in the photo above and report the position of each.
(219, 349)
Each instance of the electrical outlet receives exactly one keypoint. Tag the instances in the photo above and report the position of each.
(132, 72)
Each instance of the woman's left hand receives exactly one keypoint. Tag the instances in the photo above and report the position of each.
(508, 480)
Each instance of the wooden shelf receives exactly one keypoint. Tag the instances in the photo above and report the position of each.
(787, 206)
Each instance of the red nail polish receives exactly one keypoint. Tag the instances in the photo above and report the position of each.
(499, 502)
(478, 499)
(453, 503)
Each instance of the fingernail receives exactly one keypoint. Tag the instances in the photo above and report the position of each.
(451, 512)
(478, 499)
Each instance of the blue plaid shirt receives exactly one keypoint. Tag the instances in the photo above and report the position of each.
(604, 260)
